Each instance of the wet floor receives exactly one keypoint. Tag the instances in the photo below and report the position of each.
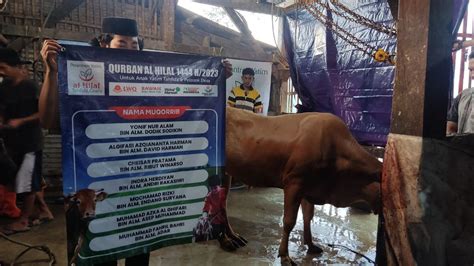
(255, 214)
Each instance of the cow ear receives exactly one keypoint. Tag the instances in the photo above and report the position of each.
(69, 200)
(101, 196)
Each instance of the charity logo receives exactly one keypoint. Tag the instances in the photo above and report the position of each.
(86, 75)
(191, 90)
(151, 89)
(209, 91)
(85, 78)
(117, 88)
(175, 90)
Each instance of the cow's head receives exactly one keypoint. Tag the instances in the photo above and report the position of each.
(371, 194)
(85, 200)
(359, 187)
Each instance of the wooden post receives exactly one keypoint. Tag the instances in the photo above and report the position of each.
(423, 67)
(414, 175)
(167, 21)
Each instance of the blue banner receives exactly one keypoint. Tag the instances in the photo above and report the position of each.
(143, 141)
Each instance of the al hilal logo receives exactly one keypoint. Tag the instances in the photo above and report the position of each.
(86, 75)
(117, 88)
(85, 78)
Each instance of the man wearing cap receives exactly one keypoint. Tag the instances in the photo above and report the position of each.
(117, 33)
(21, 132)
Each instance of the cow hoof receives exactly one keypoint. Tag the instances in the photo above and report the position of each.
(287, 261)
(312, 249)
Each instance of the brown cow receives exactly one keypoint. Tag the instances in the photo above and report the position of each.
(80, 210)
(312, 157)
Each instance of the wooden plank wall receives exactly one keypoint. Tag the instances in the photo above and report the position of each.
(87, 17)
(52, 155)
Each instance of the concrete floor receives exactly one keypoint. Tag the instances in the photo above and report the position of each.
(255, 214)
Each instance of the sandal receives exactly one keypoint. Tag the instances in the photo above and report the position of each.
(11, 231)
(39, 221)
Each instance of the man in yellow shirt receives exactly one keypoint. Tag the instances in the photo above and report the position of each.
(245, 96)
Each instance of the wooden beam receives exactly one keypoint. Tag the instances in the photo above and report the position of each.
(213, 29)
(167, 21)
(241, 24)
(212, 51)
(246, 5)
(183, 14)
(423, 66)
(62, 11)
(36, 32)
(231, 49)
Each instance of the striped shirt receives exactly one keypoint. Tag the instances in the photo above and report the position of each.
(247, 100)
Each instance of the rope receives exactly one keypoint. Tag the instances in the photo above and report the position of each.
(45, 249)
(351, 250)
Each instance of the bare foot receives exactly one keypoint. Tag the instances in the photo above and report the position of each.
(46, 215)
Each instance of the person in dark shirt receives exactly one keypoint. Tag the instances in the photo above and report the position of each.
(21, 132)
(461, 115)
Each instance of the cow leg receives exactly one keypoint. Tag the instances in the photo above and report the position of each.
(292, 194)
(229, 240)
(308, 213)
(77, 249)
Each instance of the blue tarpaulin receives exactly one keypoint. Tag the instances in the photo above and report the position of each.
(331, 75)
